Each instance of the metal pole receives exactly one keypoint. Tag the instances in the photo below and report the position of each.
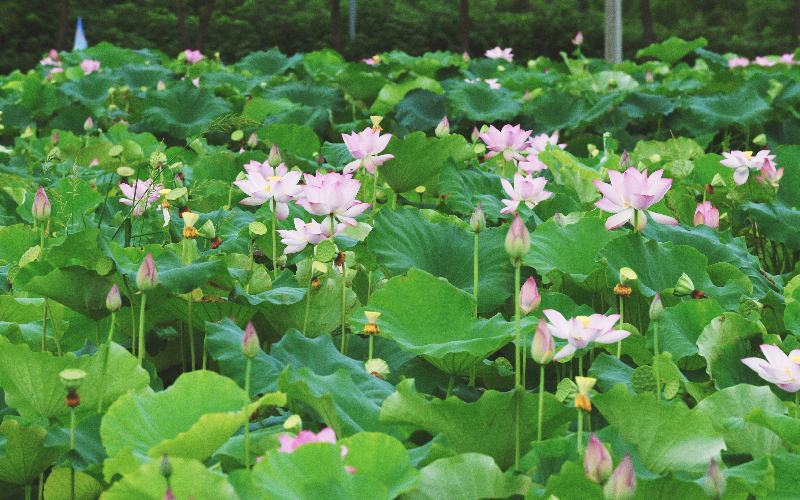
(613, 47)
(352, 19)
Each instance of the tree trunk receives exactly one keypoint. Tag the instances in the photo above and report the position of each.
(205, 20)
(463, 25)
(336, 26)
(647, 22)
(62, 42)
(797, 17)
(181, 23)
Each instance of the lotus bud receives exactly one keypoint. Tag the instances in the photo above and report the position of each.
(160, 85)
(274, 158)
(377, 367)
(684, 287)
(252, 141)
(474, 137)
(371, 327)
(622, 485)
(166, 466)
(168, 495)
(113, 301)
(55, 138)
(88, 124)
(625, 161)
(443, 129)
(27, 133)
(250, 345)
(529, 297)
(147, 276)
(648, 77)
(478, 220)
(714, 483)
(578, 39)
(465, 56)
(706, 214)
(527, 96)
(542, 345)
(597, 462)
(656, 308)
(41, 206)
(518, 240)
(760, 140)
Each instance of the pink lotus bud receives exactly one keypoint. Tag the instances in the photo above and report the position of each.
(147, 276)
(578, 38)
(252, 141)
(88, 124)
(625, 161)
(160, 85)
(527, 95)
(475, 134)
(622, 485)
(55, 138)
(529, 298)
(41, 206)
(478, 220)
(706, 214)
(518, 240)
(597, 462)
(168, 495)
(250, 345)
(714, 483)
(656, 308)
(113, 301)
(443, 129)
(542, 346)
(648, 77)
(274, 156)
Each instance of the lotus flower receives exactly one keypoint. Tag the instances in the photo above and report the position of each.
(498, 53)
(581, 331)
(333, 194)
(706, 214)
(493, 83)
(765, 61)
(365, 147)
(738, 61)
(90, 66)
(52, 59)
(531, 163)
(518, 239)
(633, 192)
(113, 300)
(525, 189)
(542, 346)
(304, 233)
(477, 223)
(266, 183)
(742, 162)
(769, 175)
(578, 39)
(140, 195)
(780, 369)
(788, 59)
(193, 56)
(326, 435)
(510, 141)
(714, 482)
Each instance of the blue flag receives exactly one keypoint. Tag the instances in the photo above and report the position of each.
(80, 37)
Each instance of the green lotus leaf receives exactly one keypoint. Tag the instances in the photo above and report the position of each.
(744, 106)
(479, 477)
(431, 318)
(570, 483)
(112, 56)
(312, 471)
(481, 103)
(392, 93)
(23, 454)
(657, 428)
(89, 451)
(421, 109)
(575, 176)
(326, 61)
(737, 402)
(418, 158)
(639, 105)
(73, 200)
(315, 96)
(671, 50)
(776, 221)
(137, 76)
(772, 421)
(790, 183)
(78, 288)
(404, 239)
(485, 426)
(269, 63)
(758, 476)
(294, 139)
(682, 325)
(189, 479)
(382, 457)
(183, 110)
(19, 310)
(181, 420)
(32, 385)
(360, 84)
(92, 89)
(463, 188)
(610, 371)
(15, 241)
(58, 484)
(723, 342)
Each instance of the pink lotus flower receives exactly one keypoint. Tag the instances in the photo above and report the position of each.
(531, 163)
(493, 83)
(529, 297)
(160, 85)
(581, 331)
(140, 195)
(90, 66)
(779, 369)
(306, 233)
(265, 183)
(510, 141)
(630, 194)
(764, 61)
(738, 61)
(526, 189)
(333, 194)
(326, 435)
(193, 56)
(365, 147)
(742, 162)
(788, 59)
(769, 175)
(52, 59)
(706, 214)
(498, 53)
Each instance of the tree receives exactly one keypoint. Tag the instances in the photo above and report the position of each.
(63, 41)
(202, 31)
(336, 26)
(463, 25)
(647, 22)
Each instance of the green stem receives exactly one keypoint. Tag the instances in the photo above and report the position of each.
(475, 277)
(73, 421)
(518, 347)
(580, 433)
(247, 416)
(308, 304)
(374, 188)
(191, 334)
(105, 348)
(450, 386)
(656, 367)
(41, 485)
(44, 327)
(797, 405)
(621, 321)
(517, 398)
(635, 221)
(344, 306)
(27, 492)
(41, 241)
(541, 403)
(133, 329)
(371, 338)
(580, 366)
(141, 329)
(274, 240)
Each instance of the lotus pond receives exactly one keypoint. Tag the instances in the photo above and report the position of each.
(290, 277)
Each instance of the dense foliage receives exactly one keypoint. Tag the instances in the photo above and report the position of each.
(155, 339)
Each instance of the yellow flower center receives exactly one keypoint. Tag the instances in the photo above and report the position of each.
(747, 155)
(585, 320)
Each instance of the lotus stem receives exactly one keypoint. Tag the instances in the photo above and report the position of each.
(541, 403)
(450, 386)
(475, 276)
(580, 433)
(106, 348)
(72, 447)
(44, 327)
(621, 321)
(274, 240)
(344, 307)
(141, 329)
(308, 305)
(374, 188)
(371, 339)
(518, 347)
(797, 405)
(656, 367)
(247, 416)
